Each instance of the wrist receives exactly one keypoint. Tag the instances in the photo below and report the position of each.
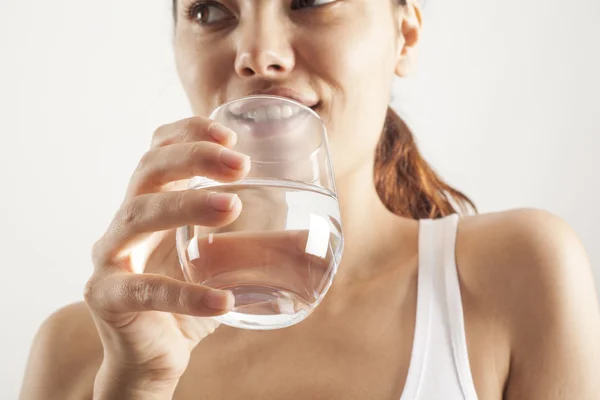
(116, 382)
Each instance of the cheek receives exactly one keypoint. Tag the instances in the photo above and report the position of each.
(201, 71)
(343, 53)
(356, 63)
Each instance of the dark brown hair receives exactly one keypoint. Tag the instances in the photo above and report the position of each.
(405, 182)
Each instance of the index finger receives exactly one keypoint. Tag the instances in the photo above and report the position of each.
(193, 129)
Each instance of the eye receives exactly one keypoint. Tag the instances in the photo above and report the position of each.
(297, 4)
(208, 13)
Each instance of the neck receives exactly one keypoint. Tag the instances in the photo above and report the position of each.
(374, 237)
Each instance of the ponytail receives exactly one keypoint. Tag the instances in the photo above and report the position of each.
(406, 184)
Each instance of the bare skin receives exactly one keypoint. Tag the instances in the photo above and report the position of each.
(531, 312)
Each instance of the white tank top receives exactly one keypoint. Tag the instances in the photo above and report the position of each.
(439, 367)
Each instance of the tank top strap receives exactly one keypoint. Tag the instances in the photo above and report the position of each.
(439, 366)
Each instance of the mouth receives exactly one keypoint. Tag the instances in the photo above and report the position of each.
(272, 112)
(265, 111)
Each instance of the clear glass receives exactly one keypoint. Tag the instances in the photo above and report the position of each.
(280, 255)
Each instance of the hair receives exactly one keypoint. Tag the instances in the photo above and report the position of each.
(406, 184)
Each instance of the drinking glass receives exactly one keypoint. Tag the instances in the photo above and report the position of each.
(279, 257)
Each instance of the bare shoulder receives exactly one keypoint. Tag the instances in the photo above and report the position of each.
(529, 269)
(64, 357)
(520, 248)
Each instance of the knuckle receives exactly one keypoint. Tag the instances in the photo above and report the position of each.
(189, 129)
(146, 160)
(98, 256)
(181, 201)
(197, 158)
(193, 128)
(129, 213)
(184, 204)
(158, 135)
(182, 298)
(185, 297)
(92, 293)
(194, 154)
(144, 292)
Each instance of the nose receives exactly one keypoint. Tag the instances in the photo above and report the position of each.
(264, 49)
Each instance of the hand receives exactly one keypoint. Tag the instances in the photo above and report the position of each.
(148, 323)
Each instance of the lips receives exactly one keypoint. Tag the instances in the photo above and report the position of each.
(305, 99)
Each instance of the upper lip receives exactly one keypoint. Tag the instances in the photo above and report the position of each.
(309, 101)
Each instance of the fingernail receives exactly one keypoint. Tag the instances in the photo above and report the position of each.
(222, 202)
(219, 300)
(233, 159)
(222, 134)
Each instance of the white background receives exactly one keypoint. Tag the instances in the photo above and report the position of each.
(505, 106)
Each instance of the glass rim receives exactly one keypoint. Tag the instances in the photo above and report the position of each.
(324, 138)
(268, 96)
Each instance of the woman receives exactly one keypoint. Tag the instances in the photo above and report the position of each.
(425, 305)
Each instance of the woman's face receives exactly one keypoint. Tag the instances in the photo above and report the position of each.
(336, 56)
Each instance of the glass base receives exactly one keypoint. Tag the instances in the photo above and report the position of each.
(265, 308)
